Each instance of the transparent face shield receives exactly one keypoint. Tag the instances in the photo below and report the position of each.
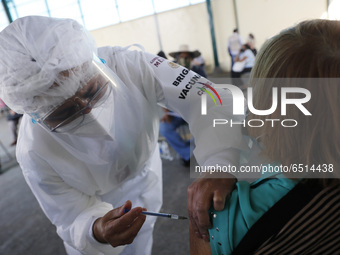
(104, 122)
(73, 112)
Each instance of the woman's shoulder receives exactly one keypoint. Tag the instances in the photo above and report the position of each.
(263, 193)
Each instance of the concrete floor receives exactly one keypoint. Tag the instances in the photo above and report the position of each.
(26, 230)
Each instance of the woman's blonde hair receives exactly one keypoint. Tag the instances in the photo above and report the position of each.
(308, 56)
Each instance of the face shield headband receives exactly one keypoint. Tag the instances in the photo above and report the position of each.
(72, 112)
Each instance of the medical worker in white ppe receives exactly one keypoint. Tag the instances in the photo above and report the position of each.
(87, 143)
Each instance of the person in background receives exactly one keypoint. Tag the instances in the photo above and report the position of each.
(171, 121)
(185, 57)
(13, 119)
(168, 128)
(3, 107)
(87, 143)
(247, 58)
(234, 45)
(162, 54)
(251, 42)
(309, 50)
(198, 64)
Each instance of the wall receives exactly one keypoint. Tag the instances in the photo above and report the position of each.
(190, 25)
(180, 26)
(265, 18)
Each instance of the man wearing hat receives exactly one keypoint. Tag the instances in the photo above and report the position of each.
(189, 59)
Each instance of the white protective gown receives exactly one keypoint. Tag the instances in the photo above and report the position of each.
(76, 180)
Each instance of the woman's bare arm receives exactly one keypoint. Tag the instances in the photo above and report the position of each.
(197, 245)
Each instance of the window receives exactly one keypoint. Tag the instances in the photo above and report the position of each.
(165, 5)
(26, 7)
(3, 18)
(92, 14)
(65, 9)
(95, 16)
(196, 1)
(134, 9)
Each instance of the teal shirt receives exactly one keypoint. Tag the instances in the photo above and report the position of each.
(248, 202)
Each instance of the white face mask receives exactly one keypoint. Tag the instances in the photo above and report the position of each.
(97, 123)
(120, 134)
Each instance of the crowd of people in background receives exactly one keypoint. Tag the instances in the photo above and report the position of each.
(242, 56)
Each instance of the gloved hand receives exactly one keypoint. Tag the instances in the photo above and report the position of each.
(202, 194)
(117, 227)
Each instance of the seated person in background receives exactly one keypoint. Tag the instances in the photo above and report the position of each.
(185, 57)
(168, 126)
(170, 121)
(244, 62)
(309, 50)
(251, 43)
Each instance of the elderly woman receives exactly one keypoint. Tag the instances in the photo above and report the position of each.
(297, 211)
